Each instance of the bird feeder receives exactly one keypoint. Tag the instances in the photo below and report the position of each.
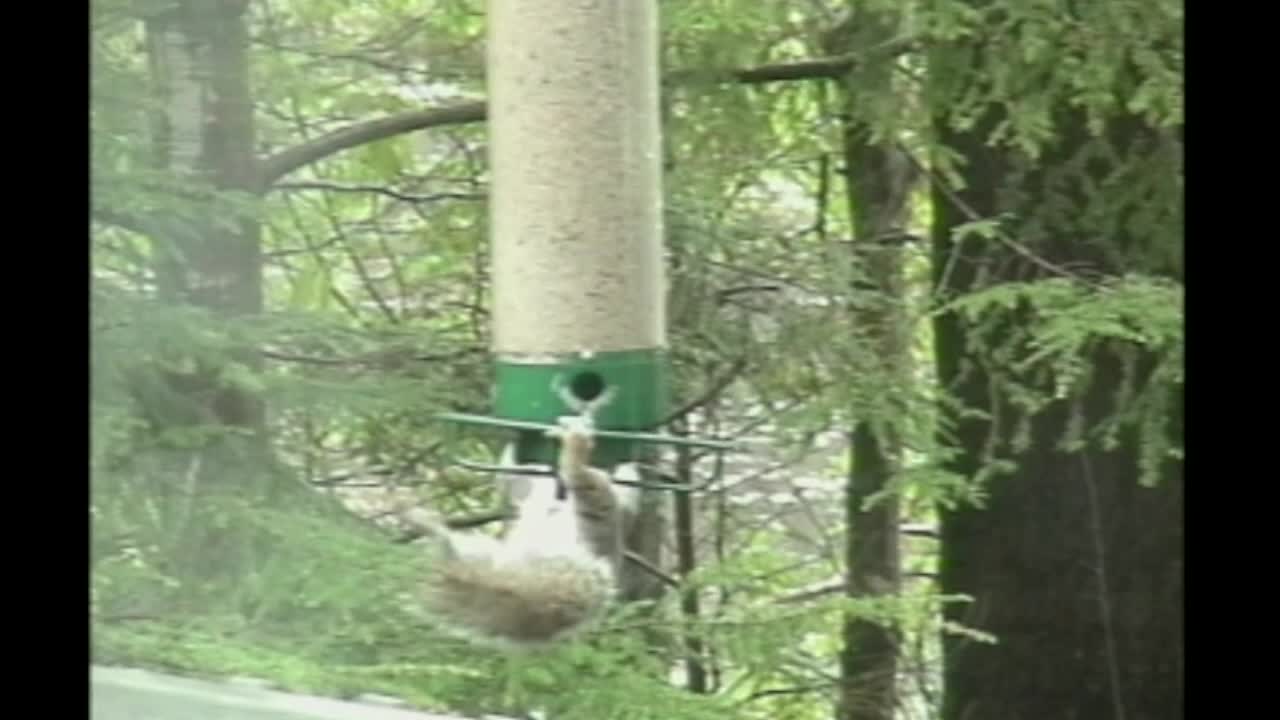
(579, 316)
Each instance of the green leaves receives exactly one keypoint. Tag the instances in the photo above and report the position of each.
(384, 158)
(242, 377)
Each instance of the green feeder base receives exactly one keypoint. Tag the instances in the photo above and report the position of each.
(533, 389)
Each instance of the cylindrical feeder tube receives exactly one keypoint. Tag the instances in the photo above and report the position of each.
(574, 139)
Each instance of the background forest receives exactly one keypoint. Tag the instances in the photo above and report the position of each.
(925, 263)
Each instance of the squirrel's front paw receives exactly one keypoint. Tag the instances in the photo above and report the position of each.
(570, 425)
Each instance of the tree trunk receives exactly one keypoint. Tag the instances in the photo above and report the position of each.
(208, 257)
(687, 560)
(877, 184)
(1075, 567)
(204, 131)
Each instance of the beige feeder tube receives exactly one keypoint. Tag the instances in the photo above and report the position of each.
(576, 177)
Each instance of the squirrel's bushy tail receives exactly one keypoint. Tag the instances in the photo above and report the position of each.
(521, 600)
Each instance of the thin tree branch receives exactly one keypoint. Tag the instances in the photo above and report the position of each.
(840, 586)
(650, 568)
(798, 690)
(717, 387)
(379, 358)
(465, 522)
(690, 607)
(817, 69)
(377, 190)
(968, 211)
(370, 286)
(728, 293)
(1104, 592)
(918, 530)
(828, 68)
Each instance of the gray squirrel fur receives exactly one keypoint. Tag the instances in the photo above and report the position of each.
(554, 573)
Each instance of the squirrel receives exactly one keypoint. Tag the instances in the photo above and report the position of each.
(553, 574)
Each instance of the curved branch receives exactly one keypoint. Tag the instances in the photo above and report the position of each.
(286, 161)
